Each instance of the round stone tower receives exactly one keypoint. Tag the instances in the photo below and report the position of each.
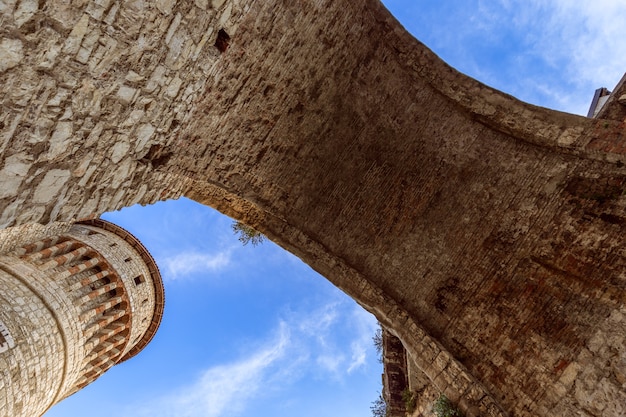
(72, 305)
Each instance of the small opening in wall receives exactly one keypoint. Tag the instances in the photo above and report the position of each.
(144, 302)
(92, 232)
(221, 43)
(112, 245)
(139, 279)
(127, 259)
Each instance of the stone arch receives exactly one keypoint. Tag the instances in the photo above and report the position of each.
(452, 210)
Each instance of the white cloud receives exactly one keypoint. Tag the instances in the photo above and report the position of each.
(186, 263)
(318, 323)
(365, 325)
(225, 389)
(334, 326)
(305, 344)
(564, 49)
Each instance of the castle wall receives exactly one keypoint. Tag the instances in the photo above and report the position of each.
(486, 233)
(14, 237)
(73, 304)
(33, 352)
(395, 377)
(92, 94)
(48, 339)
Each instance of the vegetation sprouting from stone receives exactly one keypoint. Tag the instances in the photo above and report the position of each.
(247, 234)
(378, 342)
(379, 407)
(443, 407)
(410, 402)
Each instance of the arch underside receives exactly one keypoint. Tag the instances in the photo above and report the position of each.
(485, 232)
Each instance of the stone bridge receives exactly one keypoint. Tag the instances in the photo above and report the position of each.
(486, 233)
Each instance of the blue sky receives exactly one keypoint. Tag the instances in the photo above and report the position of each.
(252, 331)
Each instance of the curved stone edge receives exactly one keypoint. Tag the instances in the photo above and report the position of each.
(439, 365)
(442, 369)
(156, 279)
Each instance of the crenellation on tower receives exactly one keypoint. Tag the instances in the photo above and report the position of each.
(100, 300)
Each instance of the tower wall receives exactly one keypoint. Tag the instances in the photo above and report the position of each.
(32, 352)
(76, 304)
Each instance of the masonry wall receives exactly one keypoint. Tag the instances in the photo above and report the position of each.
(33, 358)
(73, 305)
(92, 93)
(483, 231)
(133, 273)
(49, 349)
(395, 376)
(486, 233)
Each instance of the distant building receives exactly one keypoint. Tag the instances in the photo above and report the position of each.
(78, 300)
(609, 104)
(600, 98)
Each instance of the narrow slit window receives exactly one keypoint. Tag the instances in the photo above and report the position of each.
(139, 279)
(128, 259)
(6, 341)
(221, 43)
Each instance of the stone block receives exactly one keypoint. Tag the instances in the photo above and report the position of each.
(11, 53)
(25, 10)
(165, 6)
(61, 139)
(126, 94)
(50, 186)
(72, 44)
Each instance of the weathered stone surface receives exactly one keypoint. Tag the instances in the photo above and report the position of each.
(13, 174)
(487, 234)
(61, 138)
(25, 10)
(49, 187)
(11, 53)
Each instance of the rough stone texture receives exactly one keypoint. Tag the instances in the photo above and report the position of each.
(73, 303)
(395, 376)
(487, 234)
(91, 92)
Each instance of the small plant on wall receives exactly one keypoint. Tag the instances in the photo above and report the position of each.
(247, 234)
(410, 402)
(378, 342)
(443, 407)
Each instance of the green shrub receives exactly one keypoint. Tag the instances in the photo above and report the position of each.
(378, 342)
(409, 400)
(247, 234)
(443, 407)
(379, 407)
